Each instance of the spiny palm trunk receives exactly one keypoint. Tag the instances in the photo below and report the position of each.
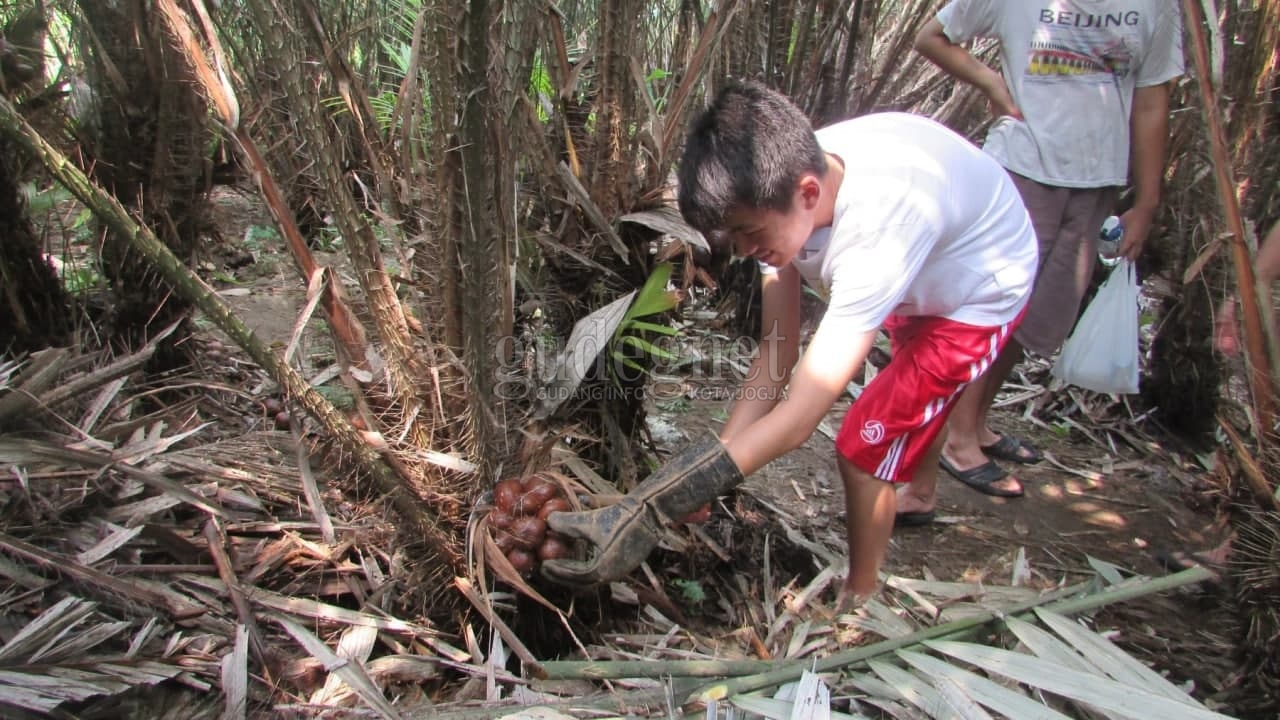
(407, 401)
(149, 151)
(475, 115)
(1185, 365)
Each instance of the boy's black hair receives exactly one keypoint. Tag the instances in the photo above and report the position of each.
(748, 148)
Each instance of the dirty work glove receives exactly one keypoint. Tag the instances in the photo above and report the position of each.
(624, 534)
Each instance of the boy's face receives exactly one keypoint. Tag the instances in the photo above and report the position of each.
(774, 236)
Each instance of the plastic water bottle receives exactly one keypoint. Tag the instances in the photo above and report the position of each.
(1109, 239)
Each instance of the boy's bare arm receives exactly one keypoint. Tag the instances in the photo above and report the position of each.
(824, 372)
(955, 60)
(1149, 133)
(778, 352)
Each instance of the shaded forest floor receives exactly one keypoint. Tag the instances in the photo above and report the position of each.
(756, 580)
(1107, 490)
(1124, 504)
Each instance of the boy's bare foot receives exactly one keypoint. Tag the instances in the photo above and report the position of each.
(911, 503)
(848, 601)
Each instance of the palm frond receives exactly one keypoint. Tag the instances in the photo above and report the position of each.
(50, 660)
(1060, 669)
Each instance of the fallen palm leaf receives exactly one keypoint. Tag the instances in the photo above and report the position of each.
(1114, 661)
(1044, 645)
(235, 677)
(356, 644)
(1105, 570)
(131, 596)
(71, 647)
(914, 690)
(780, 709)
(999, 698)
(351, 671)
(21, 451)
(32, 677)
(1064, 601)
(45, 692)
(57, 619)
(485, 608)
(1095, 690)
(955, 698)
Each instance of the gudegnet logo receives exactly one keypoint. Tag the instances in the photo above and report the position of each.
(872, 432)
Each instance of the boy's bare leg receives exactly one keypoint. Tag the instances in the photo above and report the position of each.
(921, 494)
(870, 504)
(967, 429)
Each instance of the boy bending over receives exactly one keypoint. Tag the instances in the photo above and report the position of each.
(901, 224)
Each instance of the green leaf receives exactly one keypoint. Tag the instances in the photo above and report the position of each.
(647, 347)
(654, 297)
(629, 362)
(690, 590)
(652, 327)
(813, 293)
(657, 74)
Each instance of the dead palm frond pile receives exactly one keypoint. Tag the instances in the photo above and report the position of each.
(150, 551)
(151, 547)
(876, 659)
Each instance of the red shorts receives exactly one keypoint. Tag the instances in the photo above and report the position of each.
(898, 416)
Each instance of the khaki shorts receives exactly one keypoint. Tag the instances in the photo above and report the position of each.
(1066, 222)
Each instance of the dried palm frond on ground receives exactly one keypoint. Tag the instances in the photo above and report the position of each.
(51, 660)
(1088, 668)
(151, 551)
(144, 549)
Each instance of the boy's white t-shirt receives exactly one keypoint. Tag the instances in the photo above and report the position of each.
(1072, 67)
(925, 224)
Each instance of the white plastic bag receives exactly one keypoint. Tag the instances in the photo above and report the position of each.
(1102, 353)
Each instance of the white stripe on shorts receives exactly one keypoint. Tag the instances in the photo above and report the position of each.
(888, 469)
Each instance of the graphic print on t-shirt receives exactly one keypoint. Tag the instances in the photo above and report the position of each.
(1070, 43)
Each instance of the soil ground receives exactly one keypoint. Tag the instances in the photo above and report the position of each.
(1124, 507)
(1124, 516)
(1119, 504)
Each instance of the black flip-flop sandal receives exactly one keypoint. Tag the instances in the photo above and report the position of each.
(913, 519)
(1013, 449)
(981, 478)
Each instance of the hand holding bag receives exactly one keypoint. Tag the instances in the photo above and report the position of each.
(1102, 353)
